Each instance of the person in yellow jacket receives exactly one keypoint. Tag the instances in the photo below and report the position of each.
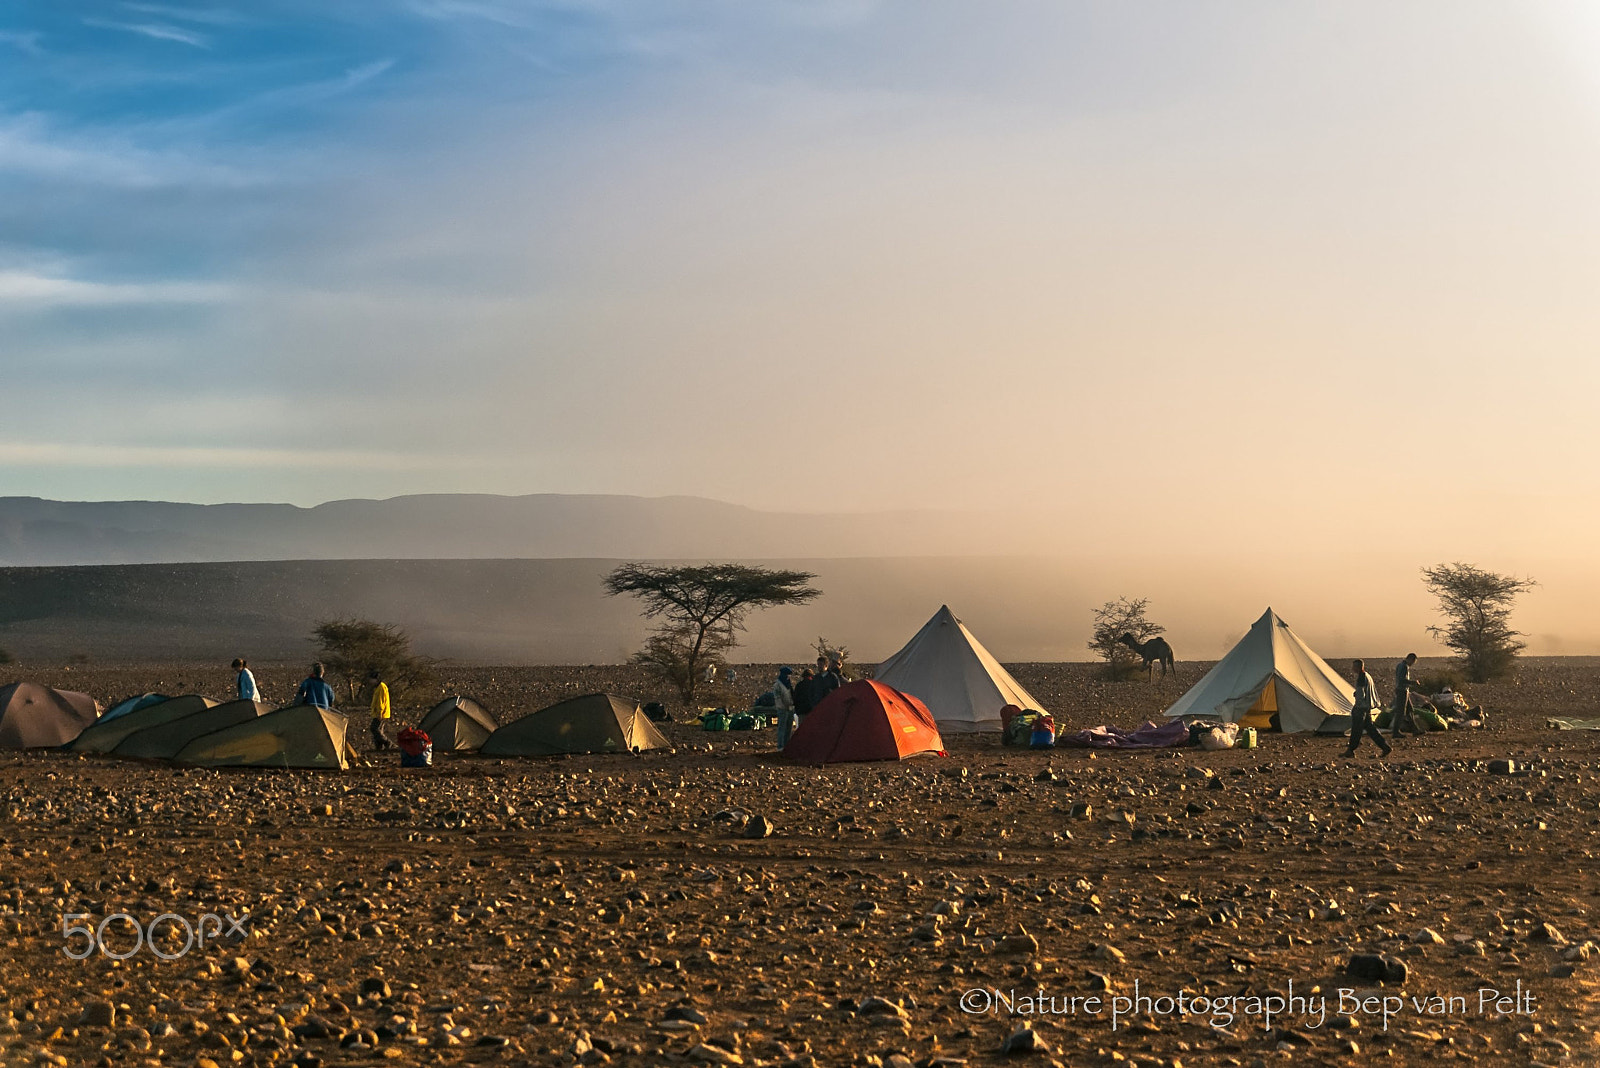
(381, 710)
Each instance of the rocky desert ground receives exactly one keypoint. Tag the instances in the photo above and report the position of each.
(712, 904)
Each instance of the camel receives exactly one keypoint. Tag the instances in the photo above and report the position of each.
(1153, 652)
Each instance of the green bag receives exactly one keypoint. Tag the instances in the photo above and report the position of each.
(715, 721)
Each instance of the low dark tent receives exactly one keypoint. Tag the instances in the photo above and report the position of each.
(594, 723)
(133, 704)
(458, 723)
(300, 736)
(103, 737)
(36, 717)
(865, 720)
(166, 740)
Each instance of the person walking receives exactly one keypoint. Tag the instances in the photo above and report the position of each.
(380, 710)
(1361, 717)
(783, 702)
(245, 680)
(314, 690)
(1404, 686)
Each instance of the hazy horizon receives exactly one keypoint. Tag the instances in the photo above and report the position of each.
(1248, 289)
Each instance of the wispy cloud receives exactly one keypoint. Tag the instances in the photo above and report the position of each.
(31, 145)
(159, 31)
(504, 14)
(52, 454)
(205, 16)
(25, 42)
(25, 288)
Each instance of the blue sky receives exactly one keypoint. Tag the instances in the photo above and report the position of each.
(835, 254)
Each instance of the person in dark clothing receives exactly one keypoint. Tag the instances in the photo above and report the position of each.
(830, 680)
(803, 700)
(1361, 718)
(1404, 686)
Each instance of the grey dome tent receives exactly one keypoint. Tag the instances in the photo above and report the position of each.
(37, 717)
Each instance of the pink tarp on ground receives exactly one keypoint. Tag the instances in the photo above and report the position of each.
(1150, 736)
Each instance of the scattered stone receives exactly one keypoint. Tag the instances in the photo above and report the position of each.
(705, 1053)
(1024, 1040)
(758, 827)
(1547, 932)
(1376, 968)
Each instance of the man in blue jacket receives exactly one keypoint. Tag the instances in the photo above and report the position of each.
(314, 691)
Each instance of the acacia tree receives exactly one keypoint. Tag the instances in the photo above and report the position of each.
(1111, 621)
(355, 648)
(1476, 605)
(701, 610)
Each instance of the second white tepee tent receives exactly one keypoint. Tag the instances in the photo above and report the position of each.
(1272, 672)
(951, 672)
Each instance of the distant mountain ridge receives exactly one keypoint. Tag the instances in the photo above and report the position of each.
(38, 532)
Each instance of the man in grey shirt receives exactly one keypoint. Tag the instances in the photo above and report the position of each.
(1361, 717)
(1400, 712)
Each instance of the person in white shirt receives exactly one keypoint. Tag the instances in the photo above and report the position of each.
(248, 690)
(1361, 718)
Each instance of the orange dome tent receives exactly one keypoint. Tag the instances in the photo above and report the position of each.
(865, 721)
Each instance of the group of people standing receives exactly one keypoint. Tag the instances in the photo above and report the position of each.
(315, 690)
(795, 698)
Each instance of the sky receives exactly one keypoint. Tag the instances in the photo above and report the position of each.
(1179, 278)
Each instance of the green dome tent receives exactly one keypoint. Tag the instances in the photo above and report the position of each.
(458, 724)
(105, 736)
(165, 741)
(594, 723)
(300, 736)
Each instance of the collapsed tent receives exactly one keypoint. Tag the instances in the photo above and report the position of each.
(36, 717)
(133, 704)
(593, 723)
(867, 720)
(164, 741)
(1146, 736)
(458, 723)
(1272, 675)
(300, 736)
(951, 672)
(1561, 724)
(103, 737)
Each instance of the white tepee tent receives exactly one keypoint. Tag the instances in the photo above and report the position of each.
(1270, 671)
(959, 680)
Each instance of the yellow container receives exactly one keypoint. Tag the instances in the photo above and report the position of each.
(1247, 738)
